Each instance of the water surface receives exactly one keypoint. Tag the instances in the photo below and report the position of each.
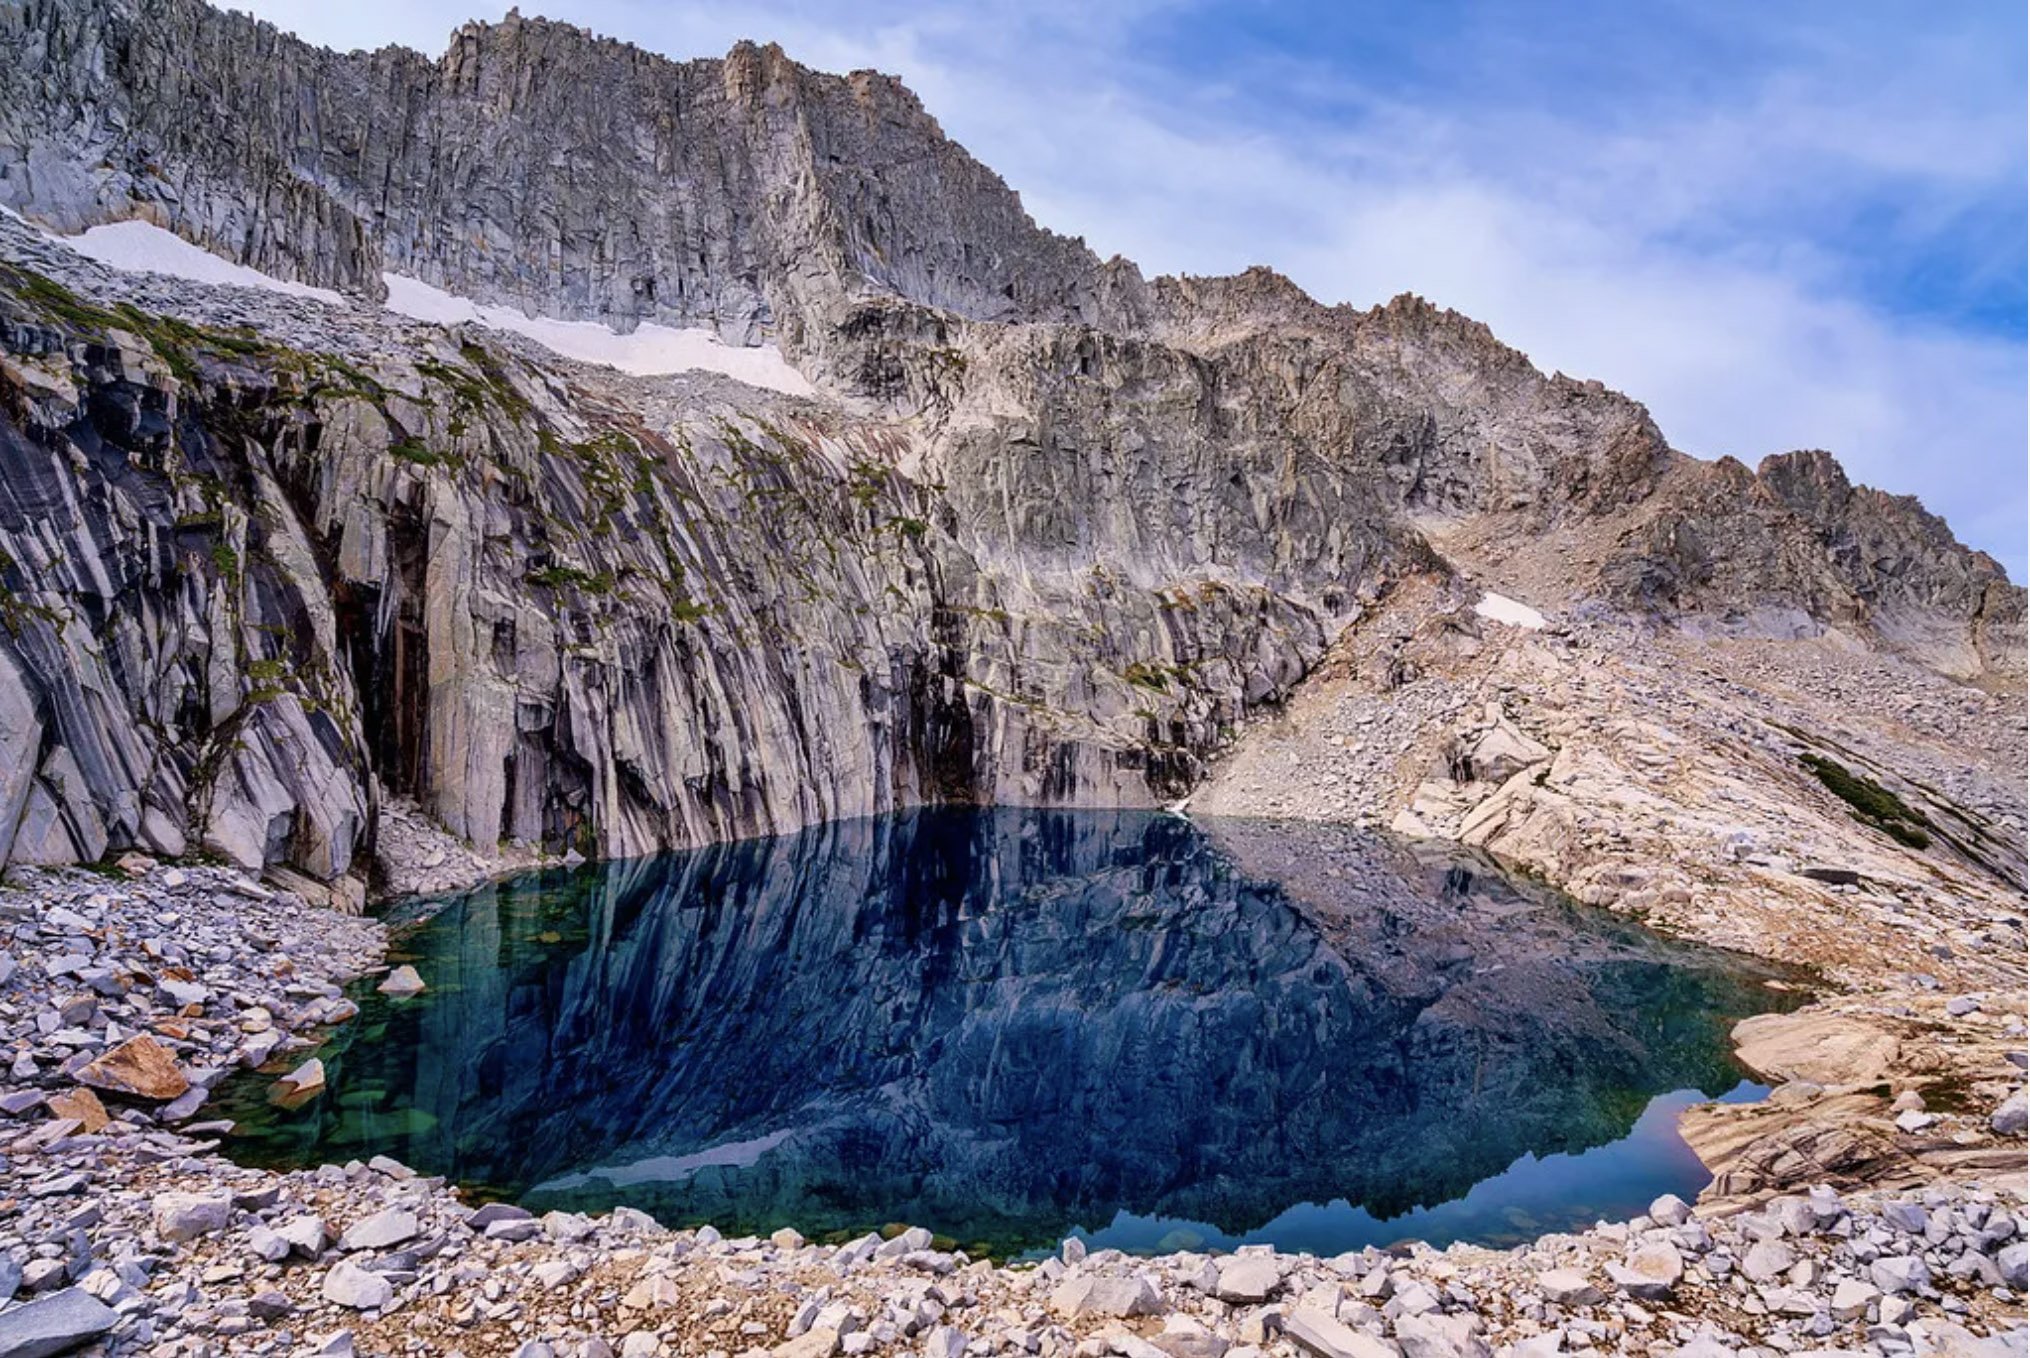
(1009, 1026)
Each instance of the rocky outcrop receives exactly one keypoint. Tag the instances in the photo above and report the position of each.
(1051, 530)
(1793, 549)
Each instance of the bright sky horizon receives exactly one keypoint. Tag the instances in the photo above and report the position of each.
(1778, 227)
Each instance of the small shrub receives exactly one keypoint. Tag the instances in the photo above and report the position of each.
(1870, 802)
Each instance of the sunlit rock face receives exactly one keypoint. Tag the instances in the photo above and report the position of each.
(1048, 532)
(248, 590)
(1005, 1024)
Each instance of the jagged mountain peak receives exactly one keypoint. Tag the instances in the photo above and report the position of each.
(1049, 531)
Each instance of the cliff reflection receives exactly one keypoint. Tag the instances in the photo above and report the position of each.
(1004, 1024)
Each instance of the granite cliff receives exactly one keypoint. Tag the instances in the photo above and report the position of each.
(1048, 533)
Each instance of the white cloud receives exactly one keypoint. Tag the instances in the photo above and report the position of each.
(1695, 249)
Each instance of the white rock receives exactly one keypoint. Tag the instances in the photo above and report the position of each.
(2013, 1117)
(306, 1235)
(1670, 1210)
(390, 1226)
(347, 1284)
(1246, 1280)
(1650, 1273)
(1767, 1259)
(1567, 1287)
(944, 1342)
(1436, 1336)
(1852, 1298)
(1119, 1297)
(1899, 1273)
(186, 1216)
(554, 1273)
(267, 1245)
(1320, 1334)
(402, 982)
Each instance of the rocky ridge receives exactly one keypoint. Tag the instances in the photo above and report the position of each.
(566, 610)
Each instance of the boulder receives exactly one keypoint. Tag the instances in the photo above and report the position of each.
(1117, 1297)
(552, 1274)
(1651, 1273)
(1436, 1336)
(2013, 1117)
(945, 1341)
(390, 1226)
(347, 1284)
(2013, 1263)
(300, 1085)
(267, 1245)
(1320, 1334)
(1851, 1299)
(1178, 1345)
(139, 1068)
(1247, 1280)
(305, 1235)
(1767, 1259)
(183, 995)
(823, 1344)
(186, 1216)
(1907, 1217)
(82, 1104)
(1899, 1273)
(402, 983)
(489, 1213)
(1565, 1287)
(1670, 1210)
(53, 1325)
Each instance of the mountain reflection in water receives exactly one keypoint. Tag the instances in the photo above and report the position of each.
(1006, 1025)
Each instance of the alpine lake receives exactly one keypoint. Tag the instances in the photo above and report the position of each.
(1013, 1026)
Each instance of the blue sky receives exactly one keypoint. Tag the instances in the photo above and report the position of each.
(1780, 226)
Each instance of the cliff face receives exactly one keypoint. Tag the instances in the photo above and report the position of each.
(250, 587)
(532, 164)
(1050, 532)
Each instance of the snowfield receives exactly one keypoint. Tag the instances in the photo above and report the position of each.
(1500, 608)
(140, 247)
(651, 351)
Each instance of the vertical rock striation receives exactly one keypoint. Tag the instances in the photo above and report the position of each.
(1051, 532)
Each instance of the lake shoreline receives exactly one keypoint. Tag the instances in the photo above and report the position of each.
(1230, 1062)
(182, 1245)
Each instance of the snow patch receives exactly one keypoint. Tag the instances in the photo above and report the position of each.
(143, 247)
(1501, 608)
(651, 351)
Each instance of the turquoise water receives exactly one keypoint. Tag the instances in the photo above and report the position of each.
(1010, 1026)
